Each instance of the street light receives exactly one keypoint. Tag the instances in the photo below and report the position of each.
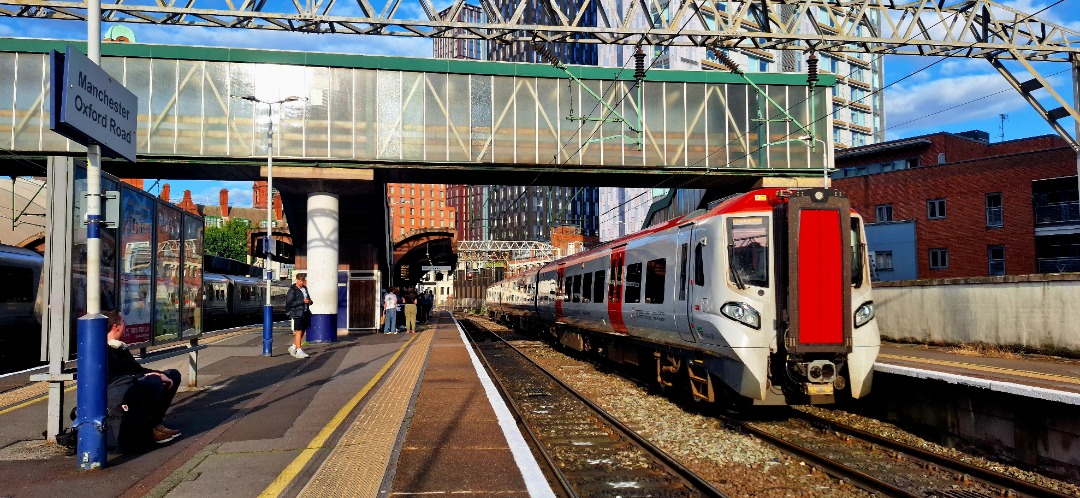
(268, 309)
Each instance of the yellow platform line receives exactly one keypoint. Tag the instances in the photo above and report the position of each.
(294, 468)
(986, 368)
(357, 465)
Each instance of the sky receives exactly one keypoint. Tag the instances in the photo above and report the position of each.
(923, 95)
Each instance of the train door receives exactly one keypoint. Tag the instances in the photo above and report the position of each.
(615, 290)
(682, 283)
(704, 276)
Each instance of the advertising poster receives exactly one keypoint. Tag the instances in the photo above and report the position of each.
(167, 274)
(193, 277)
(136, 265)
(109, 300)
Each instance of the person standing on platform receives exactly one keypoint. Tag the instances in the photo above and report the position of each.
(409, 299)
(430, 304)
(298, 306)
(390, 310)
(156, 388)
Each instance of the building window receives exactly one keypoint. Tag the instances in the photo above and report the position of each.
(883, 260)
(995, 256)
(935, 209)
(884, 213)
(939, 259)
(994, 215)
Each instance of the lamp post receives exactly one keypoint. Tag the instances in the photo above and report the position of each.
(268, 309)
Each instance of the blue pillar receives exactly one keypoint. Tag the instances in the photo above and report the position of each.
(92, 386)
(322, 262)
(268, 330)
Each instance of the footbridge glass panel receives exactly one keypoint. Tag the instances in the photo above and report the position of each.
(372, 110)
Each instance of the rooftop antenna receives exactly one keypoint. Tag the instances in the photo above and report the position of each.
(1001, 126)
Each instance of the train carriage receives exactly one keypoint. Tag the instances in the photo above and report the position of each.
(764, 298)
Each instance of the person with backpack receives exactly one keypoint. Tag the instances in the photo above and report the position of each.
(151, 390)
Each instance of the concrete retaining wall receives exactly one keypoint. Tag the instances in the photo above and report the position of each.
(1038, 312)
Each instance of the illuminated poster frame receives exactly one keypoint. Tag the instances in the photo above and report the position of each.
(136, 264)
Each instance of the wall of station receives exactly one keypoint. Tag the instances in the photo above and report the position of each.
(1036, 312)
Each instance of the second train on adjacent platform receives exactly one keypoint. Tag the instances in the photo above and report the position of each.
(762, 299)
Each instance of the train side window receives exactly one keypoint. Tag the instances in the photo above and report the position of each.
(858, 254)
(684, 251)
(18, 284)
(586, 288)
(598, 287)
(633, 283)
(575, 291)
(655, 272)
(699, 265)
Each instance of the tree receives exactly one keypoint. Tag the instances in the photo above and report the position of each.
(228, 240)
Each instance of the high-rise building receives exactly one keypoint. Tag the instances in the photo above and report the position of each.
(470, 207)
(568, 53)
(625, 210)
(455, 48)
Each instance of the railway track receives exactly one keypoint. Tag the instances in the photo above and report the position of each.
(887, 466)
(881, 465)
(590, 452)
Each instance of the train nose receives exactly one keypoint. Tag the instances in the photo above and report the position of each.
(821, 371)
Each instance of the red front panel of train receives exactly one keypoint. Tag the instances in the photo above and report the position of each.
(821, 271)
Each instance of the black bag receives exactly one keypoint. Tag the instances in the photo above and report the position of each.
(127, 419)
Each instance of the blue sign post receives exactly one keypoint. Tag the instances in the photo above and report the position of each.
(95, 110)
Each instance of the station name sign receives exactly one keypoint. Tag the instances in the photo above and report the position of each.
(90, 107)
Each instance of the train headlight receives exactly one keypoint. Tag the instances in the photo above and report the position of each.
(864, 314)
(742, 313)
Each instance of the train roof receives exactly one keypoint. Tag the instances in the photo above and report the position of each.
(756, 200)
(12, 254)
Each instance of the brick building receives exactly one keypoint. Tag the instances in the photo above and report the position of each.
(954, 205)
(417, 207)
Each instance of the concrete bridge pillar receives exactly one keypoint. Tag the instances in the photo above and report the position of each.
(322, 262)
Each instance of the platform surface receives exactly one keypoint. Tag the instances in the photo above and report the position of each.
(370, 415)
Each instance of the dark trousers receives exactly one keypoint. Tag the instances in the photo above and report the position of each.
(158, 397)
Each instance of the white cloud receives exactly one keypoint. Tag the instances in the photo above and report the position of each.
(1051, 15)
(919, 105)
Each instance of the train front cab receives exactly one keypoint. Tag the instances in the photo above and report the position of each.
(825, 313)
(788, 307)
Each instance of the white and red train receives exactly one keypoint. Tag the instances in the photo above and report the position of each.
(764, 298)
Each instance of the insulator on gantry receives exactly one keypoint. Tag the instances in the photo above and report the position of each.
(546, 53)
(639, 64)
(727, 61)
(811, 69)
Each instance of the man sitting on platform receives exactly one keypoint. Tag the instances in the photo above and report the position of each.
(157, 388)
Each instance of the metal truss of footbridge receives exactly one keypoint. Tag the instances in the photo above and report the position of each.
(428, 121)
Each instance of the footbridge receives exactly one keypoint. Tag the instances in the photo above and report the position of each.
(426, 120)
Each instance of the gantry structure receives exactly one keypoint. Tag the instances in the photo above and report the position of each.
(967, 28)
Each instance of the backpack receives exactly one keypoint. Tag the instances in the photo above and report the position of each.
(127, 420)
